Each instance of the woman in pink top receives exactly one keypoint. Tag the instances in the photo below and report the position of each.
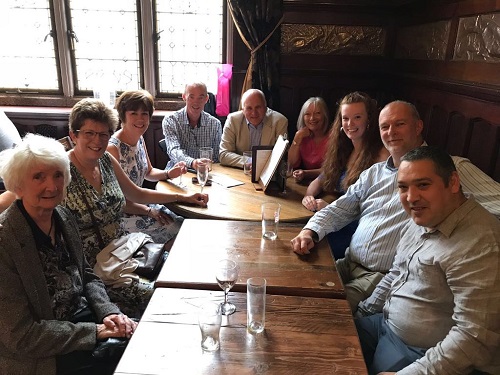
(308, 148)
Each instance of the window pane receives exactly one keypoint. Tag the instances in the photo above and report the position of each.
(107, 50)
(26, 43)
(190, 45)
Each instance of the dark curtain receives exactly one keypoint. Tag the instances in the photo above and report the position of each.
(258, 24)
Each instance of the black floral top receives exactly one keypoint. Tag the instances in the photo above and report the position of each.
(64, 282)
(106, 207)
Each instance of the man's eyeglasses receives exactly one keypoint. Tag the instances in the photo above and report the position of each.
(89, 135)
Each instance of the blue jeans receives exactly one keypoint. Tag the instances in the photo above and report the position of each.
(383, 349)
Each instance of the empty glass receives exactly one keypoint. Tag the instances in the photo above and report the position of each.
(210, 319)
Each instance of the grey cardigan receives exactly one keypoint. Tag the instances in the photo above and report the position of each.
(30, 337)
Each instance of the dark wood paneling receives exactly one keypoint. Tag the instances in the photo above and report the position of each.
(437, 125)
(459, 133)
(484, 145)
(53, 122)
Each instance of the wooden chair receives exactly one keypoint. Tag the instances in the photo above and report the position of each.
(66, 142)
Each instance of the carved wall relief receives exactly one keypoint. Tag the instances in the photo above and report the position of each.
(332, 39)
(478, 38)
(423, 42)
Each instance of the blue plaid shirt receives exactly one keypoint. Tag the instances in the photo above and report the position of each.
(179, 135)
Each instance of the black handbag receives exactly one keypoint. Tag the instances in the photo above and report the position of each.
(151, 257)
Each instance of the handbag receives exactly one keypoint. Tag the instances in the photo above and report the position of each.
(150, 256)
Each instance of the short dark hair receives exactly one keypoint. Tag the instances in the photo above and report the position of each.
(443, 163)
(92, 109)
(134, 100)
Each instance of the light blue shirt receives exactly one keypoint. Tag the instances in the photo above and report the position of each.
(374, 200)
(255, 134)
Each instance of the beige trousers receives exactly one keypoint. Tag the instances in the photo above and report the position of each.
(359, 282)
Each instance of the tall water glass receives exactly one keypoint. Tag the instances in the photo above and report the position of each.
(207, 153)
(270, 219)
(256, 304)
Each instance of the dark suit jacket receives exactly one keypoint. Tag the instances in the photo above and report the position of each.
(30, 337)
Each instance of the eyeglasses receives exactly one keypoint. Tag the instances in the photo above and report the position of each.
(90, 135)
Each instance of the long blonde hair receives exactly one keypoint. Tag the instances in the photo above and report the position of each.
(319, 103)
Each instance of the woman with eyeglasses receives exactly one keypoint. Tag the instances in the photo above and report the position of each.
(99, 187)
(135, 109)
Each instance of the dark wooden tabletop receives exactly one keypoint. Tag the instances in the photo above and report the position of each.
(200, 244)
(303, 335)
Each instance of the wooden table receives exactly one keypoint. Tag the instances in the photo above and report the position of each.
(302, 336)
(200, 244)
(239, 202)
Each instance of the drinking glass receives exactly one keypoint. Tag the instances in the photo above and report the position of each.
(202, 174)
(181, 157)
(285, 172)
(207, 153)
(209, 319)
(226, 276)
(247, 162)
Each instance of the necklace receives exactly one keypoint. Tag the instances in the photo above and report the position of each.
(51, 226)
(93, 174)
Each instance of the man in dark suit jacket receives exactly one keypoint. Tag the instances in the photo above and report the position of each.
(254, 125)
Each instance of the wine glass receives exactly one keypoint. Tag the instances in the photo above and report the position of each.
(226, 276)
(181, 157)
(285, 172)
(202, 174)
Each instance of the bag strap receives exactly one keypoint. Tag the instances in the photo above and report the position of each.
(94, 221)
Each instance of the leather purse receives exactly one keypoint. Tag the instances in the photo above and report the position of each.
(151, 257)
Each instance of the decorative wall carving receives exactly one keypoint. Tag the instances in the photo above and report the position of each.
(423, 42)
(332, 39)
(478, 38)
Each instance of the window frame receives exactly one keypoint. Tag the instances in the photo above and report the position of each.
(155, 34)
(68, 93)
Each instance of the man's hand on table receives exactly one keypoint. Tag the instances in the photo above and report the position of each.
(304, 242)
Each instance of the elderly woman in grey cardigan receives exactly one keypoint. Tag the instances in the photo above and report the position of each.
(54, 309)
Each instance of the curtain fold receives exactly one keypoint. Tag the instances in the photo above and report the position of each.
(257, 22)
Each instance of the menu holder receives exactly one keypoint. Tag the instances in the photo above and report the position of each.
(265, 161)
